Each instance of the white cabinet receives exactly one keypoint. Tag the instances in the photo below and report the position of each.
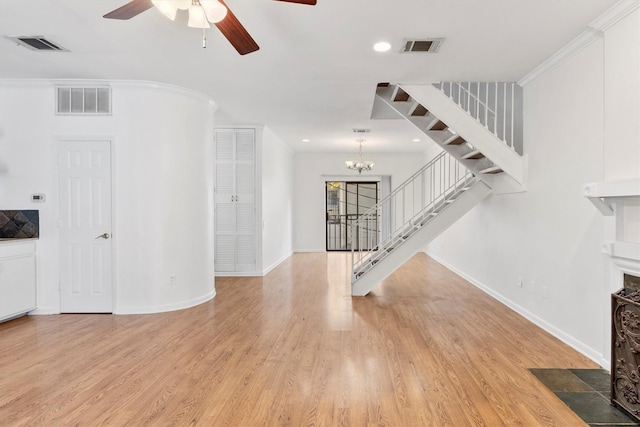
(235, 200)
(17, 278)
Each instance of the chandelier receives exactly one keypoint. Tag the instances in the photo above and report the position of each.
(359, 165)
(201, 12)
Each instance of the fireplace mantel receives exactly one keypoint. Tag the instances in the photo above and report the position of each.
(620, 200)
(604, 194)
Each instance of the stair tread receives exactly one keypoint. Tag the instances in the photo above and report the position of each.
(455, 140)
(438, 125)
(473, 155)
(400, 95)
(419, 111)
(491, 170)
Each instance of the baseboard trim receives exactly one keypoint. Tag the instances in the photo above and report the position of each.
(275, 264)
(308, 250)
(44, 311)
(166, 307)
(238, 274)
(538, 321)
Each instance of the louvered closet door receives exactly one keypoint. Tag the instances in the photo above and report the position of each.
(235, 245)
(245, 200)
(225, 215)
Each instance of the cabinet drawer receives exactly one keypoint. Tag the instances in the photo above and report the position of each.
(16, 247)
(17, 285)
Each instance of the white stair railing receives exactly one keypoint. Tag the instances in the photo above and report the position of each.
(495, 105)
(409, 207)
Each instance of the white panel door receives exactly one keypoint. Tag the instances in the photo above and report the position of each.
(84, 188)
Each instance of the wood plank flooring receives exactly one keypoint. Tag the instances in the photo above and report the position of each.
(291, 349)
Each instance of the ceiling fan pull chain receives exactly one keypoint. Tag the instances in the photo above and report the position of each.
(204, 39)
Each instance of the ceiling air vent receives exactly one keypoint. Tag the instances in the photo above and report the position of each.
(360, 131)
(422, 46)
(37, 43)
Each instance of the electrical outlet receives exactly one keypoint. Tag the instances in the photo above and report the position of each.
(520, 282)
(172, 280)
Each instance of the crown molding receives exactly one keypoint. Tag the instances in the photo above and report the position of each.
(595, 31)
(126, 84)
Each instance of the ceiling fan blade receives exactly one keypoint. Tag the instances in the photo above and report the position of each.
(237, 35)
(309, 2)
(130, 9)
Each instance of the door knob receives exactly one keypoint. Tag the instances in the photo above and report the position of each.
(103, 236)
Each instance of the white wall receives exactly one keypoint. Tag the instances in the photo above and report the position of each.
(622, 99)
(312, 170)
(162, 156)
(582, 124)
(277, 200)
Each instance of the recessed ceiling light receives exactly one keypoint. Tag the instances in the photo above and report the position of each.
(306, 140)
(416, 140)
(381, 47)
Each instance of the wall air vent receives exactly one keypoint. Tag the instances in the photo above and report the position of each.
(92, 101)
(421, 46)
(37, 43)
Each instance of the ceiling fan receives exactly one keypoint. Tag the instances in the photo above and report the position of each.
(229, 25)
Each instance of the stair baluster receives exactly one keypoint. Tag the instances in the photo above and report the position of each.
(408, 208)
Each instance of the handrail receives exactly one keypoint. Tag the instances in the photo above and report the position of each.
(410, 206)
(405, 183)
(499, 111)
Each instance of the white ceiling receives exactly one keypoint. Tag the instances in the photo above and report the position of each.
(315, 73)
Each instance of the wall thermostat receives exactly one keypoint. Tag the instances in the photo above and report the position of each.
(38, 197)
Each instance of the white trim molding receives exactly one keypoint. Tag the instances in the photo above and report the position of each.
(595, 30)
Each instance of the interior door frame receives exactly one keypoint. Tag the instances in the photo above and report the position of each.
(111, 139)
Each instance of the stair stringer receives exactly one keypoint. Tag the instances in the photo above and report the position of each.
(401, 254)
(467, 127)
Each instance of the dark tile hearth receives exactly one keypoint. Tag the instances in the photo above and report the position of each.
(19, 224)
(587, 393)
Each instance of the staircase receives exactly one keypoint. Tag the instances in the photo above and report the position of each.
(477, 156)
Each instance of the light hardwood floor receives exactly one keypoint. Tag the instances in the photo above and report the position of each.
(291, 349)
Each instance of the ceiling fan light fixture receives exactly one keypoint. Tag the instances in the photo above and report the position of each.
(214, 10)
(197, 17)
(168, 8)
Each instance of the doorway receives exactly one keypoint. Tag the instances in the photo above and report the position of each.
(345, 203)
(84, 212)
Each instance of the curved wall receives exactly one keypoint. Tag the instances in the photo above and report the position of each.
(162, 154)
(164, 199)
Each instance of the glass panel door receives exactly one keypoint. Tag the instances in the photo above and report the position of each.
(346, 202)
